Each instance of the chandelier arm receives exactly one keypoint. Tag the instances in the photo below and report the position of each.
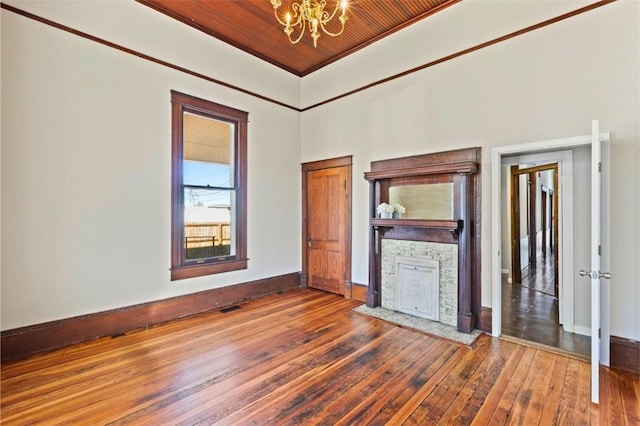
(324, 30)
(326, 18)
(325, 14)
(302, 31)
(275, 12)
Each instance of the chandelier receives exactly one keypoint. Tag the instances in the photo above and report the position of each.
(311, 14)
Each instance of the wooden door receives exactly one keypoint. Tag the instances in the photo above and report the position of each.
(327, 220)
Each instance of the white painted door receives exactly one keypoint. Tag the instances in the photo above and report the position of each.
(595, 273)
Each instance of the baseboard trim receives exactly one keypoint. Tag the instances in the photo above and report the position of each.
(485, 319)
(624, 353)
(582, 330)
(359, 292)
(22, 342)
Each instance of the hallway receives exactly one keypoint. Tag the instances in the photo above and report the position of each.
(530, 312)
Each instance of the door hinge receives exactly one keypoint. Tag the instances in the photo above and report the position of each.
(599, 250)
(599, 333)
(600, 167)
(345, 184)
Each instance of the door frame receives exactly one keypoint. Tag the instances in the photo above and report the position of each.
(514, 197)
(564, 221)
(554, 146)
(347, 163)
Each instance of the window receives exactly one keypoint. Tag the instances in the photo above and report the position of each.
(208, 188)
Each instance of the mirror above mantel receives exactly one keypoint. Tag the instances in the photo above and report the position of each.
(432, 201)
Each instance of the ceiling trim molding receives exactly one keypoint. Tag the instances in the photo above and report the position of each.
(216, 35)
(464, 52)
(141, 55)
(381, 36)
(329, 100)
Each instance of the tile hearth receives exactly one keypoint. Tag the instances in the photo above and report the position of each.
(424, 325)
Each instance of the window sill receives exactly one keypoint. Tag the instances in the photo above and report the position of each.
(183, 272)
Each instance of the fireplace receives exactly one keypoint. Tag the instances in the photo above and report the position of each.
(449, 236)
(421, 279)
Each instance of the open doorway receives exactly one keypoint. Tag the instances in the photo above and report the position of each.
(538, 294)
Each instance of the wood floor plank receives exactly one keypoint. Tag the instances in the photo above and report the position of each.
(380, 382)
(303, 357)
(433, 408)
(333, 366)
(629, 390)
(420, 388)
(399, 392)
(472, 397)
(495, 395)
(507, 405)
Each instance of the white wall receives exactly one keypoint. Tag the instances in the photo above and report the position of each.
(86, 142)
(546, 84)
(85, 137)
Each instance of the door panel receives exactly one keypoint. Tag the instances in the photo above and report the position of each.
(326, 238)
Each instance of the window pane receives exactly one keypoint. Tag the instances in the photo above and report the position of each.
(208, 223)
(206, 174)
(208, 151)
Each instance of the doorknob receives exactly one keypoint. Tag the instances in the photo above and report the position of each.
(593, 274)
(308, 241)
(584, 273)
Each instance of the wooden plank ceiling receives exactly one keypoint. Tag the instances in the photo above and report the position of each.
(250, 25)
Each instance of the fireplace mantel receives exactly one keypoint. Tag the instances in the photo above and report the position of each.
(449, 225)
(460, 168)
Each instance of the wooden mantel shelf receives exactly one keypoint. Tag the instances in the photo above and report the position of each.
(449, 225)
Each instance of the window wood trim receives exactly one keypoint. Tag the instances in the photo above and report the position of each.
(180, 269)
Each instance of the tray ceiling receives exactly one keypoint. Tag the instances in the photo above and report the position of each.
(250, 25)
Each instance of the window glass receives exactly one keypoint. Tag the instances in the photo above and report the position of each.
(208, 230)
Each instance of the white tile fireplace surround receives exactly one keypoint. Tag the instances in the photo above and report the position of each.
(395, 251)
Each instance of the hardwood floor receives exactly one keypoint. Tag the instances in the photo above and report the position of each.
(530, 313)
(541, 277)
(303, 357)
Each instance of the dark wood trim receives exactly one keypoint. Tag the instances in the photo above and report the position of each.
(449, 225)
(514, 204)
(417, 233)
(485, 319)
(476, 238)
(462, 166)
(379, 37)
(462, 52)
(466, 313)
(142, 55)
(544, 220)
(535, 169)
(25, 341)
(328, 163)
(293, 71)
(532, 188)
(466, 167)
(359, 292)
(348, 289)
(181, 267)
(625, 354)
(346, 162)
(195, 24)
(555, 200)
(327, 101)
